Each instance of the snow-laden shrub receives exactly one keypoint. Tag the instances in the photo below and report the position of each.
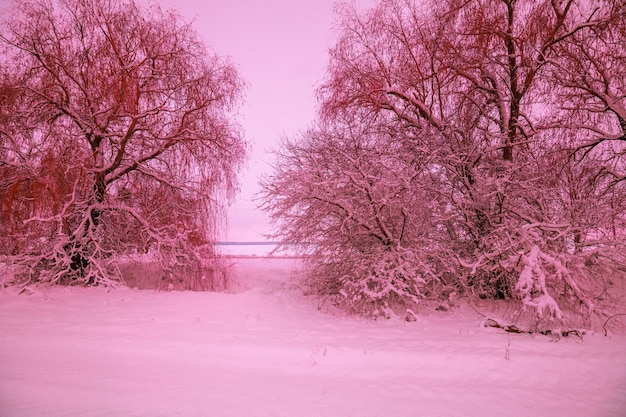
(381, 283)
(554, 289)
(531, 286)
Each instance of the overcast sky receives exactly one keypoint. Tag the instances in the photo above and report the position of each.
(280, 47)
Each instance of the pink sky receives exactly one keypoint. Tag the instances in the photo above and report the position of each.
(280, 47)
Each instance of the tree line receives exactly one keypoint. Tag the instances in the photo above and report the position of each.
(462, 149)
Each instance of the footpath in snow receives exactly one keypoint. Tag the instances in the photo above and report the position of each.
(263, 349)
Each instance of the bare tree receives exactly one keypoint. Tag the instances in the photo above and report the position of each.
(119, 135)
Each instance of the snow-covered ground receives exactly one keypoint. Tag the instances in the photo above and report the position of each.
(264, 350)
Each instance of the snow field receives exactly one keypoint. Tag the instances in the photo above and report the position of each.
(265, 350)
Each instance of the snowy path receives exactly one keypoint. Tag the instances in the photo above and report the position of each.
(264, 352)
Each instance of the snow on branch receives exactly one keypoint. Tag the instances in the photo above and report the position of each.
(531, 286)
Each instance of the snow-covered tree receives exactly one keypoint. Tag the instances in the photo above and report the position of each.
(117, 138)
(475, 85)
(351, 197)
